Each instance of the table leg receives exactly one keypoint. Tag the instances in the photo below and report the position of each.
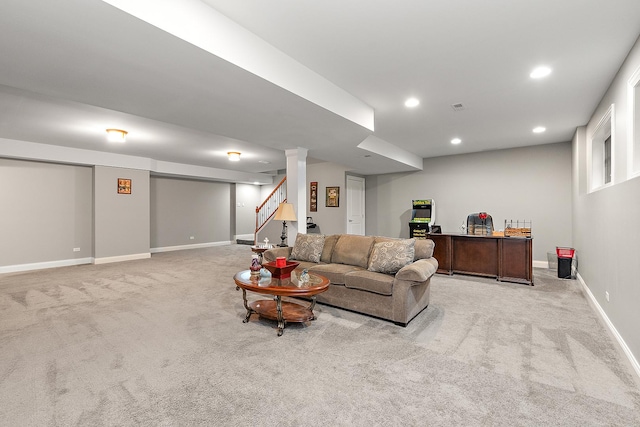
(280, 316)
(311, 307)
(249, 311)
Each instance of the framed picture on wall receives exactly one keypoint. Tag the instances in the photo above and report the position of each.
(124, 186)
(333, 197)
(313, 197)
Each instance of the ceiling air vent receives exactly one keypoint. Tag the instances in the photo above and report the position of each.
(457, 107)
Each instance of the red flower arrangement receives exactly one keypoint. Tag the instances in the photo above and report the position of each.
(483, 215)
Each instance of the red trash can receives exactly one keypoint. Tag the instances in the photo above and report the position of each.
(565, 260)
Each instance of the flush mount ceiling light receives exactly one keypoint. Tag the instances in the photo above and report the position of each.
(234, 156)
(412, 102)
(116, 135)
(540, 72)
(539, 129)
(456, 141)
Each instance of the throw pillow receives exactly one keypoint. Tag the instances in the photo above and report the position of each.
(308, 247)
(389, 257)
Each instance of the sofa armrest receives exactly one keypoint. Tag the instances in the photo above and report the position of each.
(418, 271)
(271, 254)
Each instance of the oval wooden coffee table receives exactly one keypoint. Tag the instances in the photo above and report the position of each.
(282, 311)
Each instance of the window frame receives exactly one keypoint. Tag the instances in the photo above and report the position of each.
(604, 130)
(633, 144)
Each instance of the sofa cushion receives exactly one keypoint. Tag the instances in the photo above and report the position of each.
(369, 281)
(424, 248)
(334, 272)
(329, 244)
(389, 257)
(353, 250)
(308, 247)
(379, 239)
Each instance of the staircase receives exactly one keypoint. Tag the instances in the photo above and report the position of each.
(268, 208)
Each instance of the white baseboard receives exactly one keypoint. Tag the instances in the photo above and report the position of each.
(194, 246)
(104, 260)
(540, 264)
(43, 265)
(594, 303)
(120, 258)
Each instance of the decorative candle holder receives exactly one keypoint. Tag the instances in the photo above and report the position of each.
(281, 272)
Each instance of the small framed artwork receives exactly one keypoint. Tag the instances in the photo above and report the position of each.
(313, 197)
(333, 197)
(124, 186)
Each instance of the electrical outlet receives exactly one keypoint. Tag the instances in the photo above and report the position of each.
(76, 249)
(191, 237)
(606, 295)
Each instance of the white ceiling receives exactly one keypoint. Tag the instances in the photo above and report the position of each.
(72, 68)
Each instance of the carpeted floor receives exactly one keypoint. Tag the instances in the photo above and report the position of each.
(160, 342)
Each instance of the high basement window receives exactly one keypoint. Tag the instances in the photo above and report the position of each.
(633, 149)
(602, 149)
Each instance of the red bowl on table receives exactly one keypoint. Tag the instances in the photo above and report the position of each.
(281, 272)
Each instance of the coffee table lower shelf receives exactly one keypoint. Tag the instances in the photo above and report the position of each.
(286, 312)
(291, 312)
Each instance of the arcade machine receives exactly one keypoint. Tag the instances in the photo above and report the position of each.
(422, 214)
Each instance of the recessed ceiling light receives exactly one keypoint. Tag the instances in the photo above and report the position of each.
(540, 72)
(412, 102)
(539, 129)
(234, 156)
(116, 135)
(456, 141)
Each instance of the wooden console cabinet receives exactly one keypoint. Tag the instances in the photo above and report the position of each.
(508, 259)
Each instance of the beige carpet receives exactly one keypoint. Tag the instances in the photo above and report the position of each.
(161, 342)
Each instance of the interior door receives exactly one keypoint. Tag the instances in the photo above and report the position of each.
(355, 205)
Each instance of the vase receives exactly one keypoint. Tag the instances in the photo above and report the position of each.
(255, 266)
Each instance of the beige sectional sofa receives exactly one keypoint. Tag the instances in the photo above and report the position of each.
(378, 276)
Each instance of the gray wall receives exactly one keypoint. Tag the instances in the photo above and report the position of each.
(45, 212)
(182, 208)
(246, 201)
(605, 229)
(531, 183)
(330, 220)
(121, 221)
(49, 209)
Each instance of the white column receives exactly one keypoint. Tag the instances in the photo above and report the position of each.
(297, 190)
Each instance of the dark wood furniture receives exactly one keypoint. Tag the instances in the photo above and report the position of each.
(259, 250)
(276, 309)
(508, 259)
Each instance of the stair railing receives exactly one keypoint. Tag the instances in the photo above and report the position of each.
(268, 208)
